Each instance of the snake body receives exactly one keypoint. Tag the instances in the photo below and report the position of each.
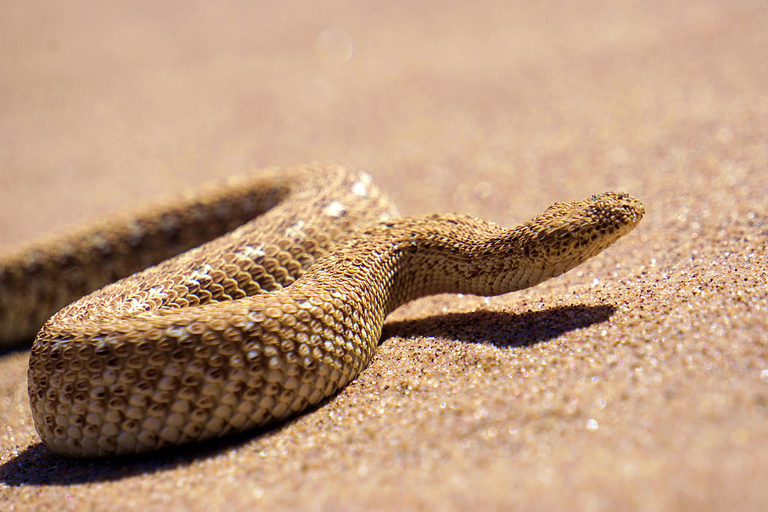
(271, 318)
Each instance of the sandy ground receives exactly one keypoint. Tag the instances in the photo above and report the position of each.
(639, 381)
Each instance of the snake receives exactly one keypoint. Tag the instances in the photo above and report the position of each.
(246, 303)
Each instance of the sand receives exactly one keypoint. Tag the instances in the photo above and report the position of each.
(638, 381)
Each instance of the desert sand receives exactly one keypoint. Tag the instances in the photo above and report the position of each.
(638, 381)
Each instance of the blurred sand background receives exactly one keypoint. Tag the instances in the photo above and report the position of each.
(638, 381)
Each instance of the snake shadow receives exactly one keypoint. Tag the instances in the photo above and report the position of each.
(501, 328)
(17, 346)
(37, 466)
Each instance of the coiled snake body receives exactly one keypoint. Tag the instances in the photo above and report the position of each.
(215, 341)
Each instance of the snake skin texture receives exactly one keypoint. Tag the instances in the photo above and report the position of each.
(278, 314)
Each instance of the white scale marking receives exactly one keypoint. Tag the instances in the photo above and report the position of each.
(252, 253)
(335, 209)
(296, 232)
(360, 187)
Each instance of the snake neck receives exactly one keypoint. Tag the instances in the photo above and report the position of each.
(402, 260)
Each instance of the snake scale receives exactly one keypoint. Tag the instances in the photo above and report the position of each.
(261, 321)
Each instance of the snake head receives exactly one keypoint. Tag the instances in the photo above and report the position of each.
(603, 217)
(567, 234)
